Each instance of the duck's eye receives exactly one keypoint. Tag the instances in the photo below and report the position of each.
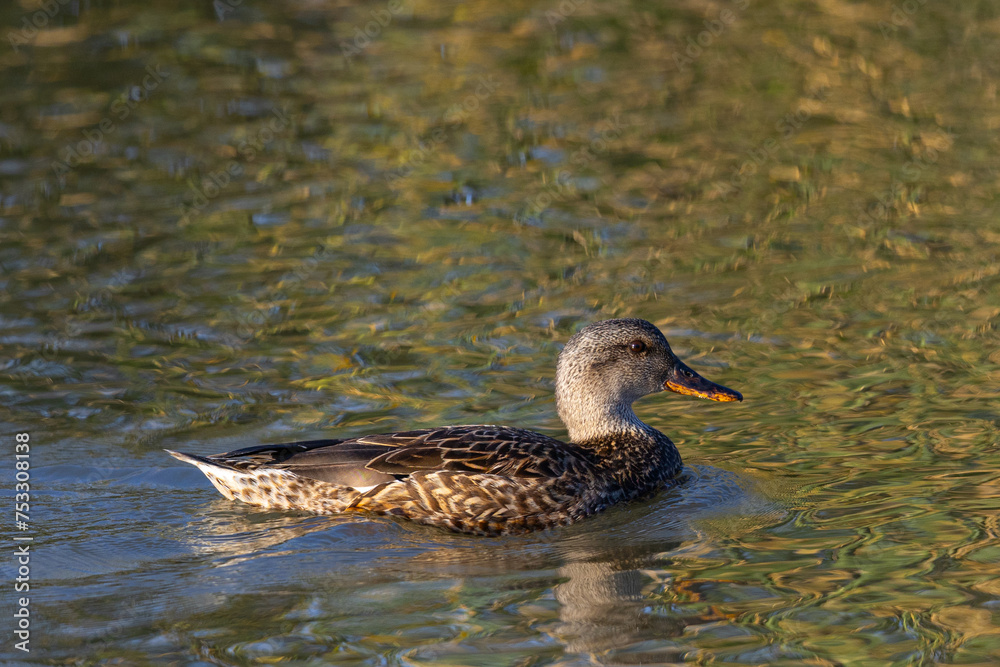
(637, 347)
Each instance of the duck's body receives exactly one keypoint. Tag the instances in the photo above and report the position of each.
(488, 480)
(492, 480)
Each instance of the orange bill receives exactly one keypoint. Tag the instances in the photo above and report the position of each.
(683, 380)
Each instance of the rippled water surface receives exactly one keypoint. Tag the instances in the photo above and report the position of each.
(251, 222)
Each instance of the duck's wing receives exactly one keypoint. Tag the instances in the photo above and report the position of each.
(498, 450)
(258, 455)
(374, 459)
(336, 461)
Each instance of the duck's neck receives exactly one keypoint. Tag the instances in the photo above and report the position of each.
(635, 453)
(598, 421)
(590, 415)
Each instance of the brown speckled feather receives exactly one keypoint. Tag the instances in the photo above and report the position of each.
(498, 450)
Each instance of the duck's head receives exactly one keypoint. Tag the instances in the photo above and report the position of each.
(608, 365)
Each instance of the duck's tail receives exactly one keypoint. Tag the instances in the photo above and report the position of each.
(196, 460)
(272, 488)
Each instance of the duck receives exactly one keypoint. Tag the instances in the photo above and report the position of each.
(493, 480)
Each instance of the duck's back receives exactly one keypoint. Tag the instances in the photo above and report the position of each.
(387, 457)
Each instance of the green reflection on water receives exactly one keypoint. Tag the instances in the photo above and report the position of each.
(806, 206)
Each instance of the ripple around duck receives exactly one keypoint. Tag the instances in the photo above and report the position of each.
(601, 586)
(154, 505)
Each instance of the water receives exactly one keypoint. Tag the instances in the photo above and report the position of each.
(251, 223)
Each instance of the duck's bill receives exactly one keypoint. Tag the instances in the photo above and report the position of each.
(685, 381)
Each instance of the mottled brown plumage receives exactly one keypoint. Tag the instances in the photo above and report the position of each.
(492, 480)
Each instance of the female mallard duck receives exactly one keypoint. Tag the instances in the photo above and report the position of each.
(493, 480)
